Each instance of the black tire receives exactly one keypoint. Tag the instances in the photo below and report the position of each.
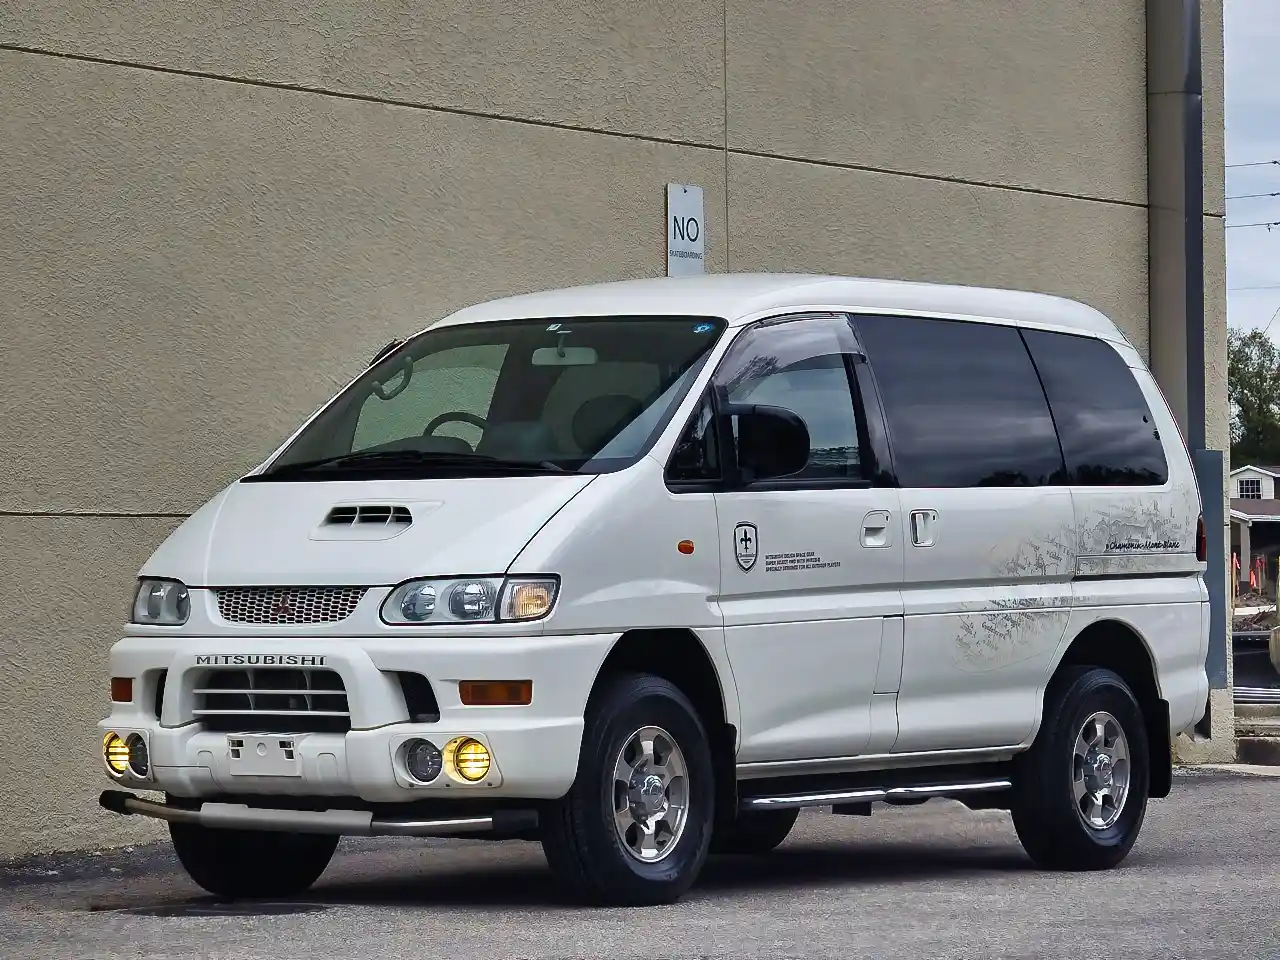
(753, 832)
(1050, 825)
(579, 837)
(252, 864)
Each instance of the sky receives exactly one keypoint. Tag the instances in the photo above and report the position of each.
(1252, 55)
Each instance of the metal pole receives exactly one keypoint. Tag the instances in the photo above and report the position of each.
(1208, 465)
(1175, 157)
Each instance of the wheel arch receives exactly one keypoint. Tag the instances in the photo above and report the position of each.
(1116, 645)
(681, 657)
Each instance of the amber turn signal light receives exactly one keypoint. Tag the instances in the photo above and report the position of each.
(496, 693)
(122, 689)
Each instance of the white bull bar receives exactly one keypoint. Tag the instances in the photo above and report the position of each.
(355, 823)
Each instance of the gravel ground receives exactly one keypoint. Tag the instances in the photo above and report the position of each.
(935, 881)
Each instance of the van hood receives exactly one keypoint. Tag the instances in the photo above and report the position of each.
(282, 534)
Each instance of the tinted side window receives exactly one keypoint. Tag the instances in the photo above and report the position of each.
(963, 402)
(802, 366)
(1108, 435)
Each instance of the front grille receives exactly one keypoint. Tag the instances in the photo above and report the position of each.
(272, 700)
(287, 604)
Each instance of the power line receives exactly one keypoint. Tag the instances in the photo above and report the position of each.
(1271, 321)
(1267, 224)
(1258, 163)
(1250, 196)
(1273, 286)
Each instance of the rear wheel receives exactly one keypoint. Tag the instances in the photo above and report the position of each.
(251, 864)
(1080, 794)
(635, 827)
(753, 832)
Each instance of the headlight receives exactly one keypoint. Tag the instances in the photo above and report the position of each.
(473, 600)
(470, 600)
(164, 603)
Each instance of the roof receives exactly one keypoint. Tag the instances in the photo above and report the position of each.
(740, 297)
(1255, 509)
(1270, 471)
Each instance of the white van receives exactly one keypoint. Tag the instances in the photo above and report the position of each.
(639, 570)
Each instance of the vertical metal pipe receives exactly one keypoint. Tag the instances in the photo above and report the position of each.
(1175, 178)
(1209, 465)
(1193, 222)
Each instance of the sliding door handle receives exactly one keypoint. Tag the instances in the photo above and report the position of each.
(875, 528)
(922, 527)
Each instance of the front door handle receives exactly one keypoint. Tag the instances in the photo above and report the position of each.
(922, 525)
(875, 529)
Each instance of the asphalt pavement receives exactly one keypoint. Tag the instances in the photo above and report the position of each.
(934, 881)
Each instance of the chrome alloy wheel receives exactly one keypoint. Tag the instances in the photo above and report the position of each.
(1100, 771)
(650, 794)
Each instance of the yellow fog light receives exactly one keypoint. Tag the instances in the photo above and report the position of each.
(468, 759)
(116, 754)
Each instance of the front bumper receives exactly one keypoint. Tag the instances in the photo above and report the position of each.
(533, 749)
(357, 823)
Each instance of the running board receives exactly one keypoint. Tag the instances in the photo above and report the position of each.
(871, 795)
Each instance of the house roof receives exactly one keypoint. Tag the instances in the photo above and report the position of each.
(1273, 471)
(1255, 509)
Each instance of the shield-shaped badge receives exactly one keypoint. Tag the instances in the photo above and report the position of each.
(745, 545)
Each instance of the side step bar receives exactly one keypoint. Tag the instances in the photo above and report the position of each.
(355, 823)
(1256, 696)
(871, 794)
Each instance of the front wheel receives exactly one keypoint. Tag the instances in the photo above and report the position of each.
(1080, 794)
(635, 827)
(251, 864)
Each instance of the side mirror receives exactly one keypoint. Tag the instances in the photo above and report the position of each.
(772, 441)
(384, 351)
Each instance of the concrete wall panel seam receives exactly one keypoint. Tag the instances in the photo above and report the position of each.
(364, 98)
(938, 178)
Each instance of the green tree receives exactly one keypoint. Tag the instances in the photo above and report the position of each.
(1253, 389)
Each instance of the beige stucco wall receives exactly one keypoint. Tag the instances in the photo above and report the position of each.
(214, 213)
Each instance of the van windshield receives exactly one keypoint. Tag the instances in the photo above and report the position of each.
(578, 395)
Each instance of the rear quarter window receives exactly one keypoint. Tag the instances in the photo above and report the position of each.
(963, 403)
(1109, 437)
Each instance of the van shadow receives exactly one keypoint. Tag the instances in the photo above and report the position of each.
(792, 866)
(530, 884)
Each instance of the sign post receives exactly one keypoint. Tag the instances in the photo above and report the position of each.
(686, 234)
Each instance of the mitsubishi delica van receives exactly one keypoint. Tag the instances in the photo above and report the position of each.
(640, 570)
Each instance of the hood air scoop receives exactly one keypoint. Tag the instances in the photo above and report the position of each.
(364, 521)
(354, 515)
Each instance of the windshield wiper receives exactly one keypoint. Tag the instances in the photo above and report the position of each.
(397, 459)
